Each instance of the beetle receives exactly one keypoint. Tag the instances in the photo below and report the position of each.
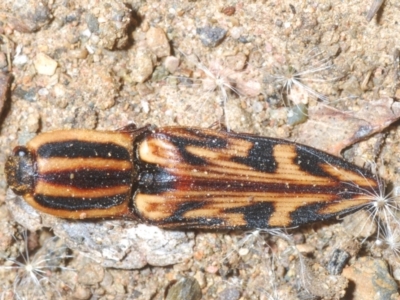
(186, 177)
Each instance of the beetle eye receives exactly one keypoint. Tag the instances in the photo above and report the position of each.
(20, 151)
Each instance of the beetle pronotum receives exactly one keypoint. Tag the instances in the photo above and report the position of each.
(186, 177)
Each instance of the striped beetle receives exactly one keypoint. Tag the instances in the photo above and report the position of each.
(186, 177)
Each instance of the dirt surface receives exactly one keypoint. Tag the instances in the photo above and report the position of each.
(316, 72)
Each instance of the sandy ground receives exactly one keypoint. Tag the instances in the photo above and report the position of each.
(316, 72)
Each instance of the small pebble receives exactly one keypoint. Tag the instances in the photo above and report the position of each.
(257, 107)
(337, 262)
(158, 42)
(30, 16)
(305, 248)
(211, 36)
(237, 62)
(201, 279)
(297, 114)
(228, 10)
(396, 274)
(143, 89)
(212, 269)
(145, 26)
(44, 64)
(371, 279)
(243, 251)
(171, 63)
(236, 32)
(98, 292)
(29, 95)
(20, 59)
(352, 87)
(31, 124)
(91, 274)
(81, 292)
(92, 23)
(108, 279)
(229, 293)
(186, 288)
(145, 106)
(250, 88)
(159, 73)
(119, 288)
(86, 33)
(78, 53)
(142, 67)
(43, 92)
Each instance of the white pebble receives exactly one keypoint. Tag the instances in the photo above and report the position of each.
(44, 64)
(236, 32)
(90, 49)
(145, 106)
(20, 60)
(243, 251)
(43, 92)
(86, 33)
(396, 274)
(171, 64)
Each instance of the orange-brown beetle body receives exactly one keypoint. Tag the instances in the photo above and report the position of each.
(186, 177)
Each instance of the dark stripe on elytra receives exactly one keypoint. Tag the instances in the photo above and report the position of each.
(260, 157)
(310, 160)
(256, 215)
(75, 203)
(187, 223)
(83, 149)
(310, 213)
(202, 140)
(178, 217)
(154, 180)
(88, 179)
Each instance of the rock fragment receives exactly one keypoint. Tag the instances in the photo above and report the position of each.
(371, 280)
(44, 64)
(142, 67)
(211, 36)
(158, 42)
(171, 63)
(29, 15)
(186, 288)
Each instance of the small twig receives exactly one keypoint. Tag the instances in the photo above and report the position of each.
(8, 51)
